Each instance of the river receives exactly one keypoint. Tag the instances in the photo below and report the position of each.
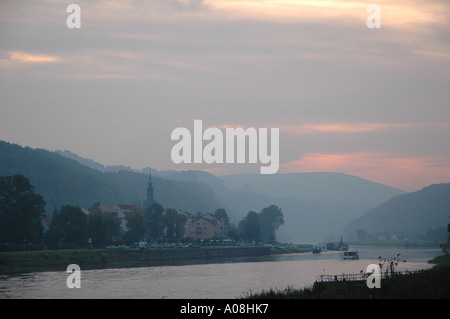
(214, 280)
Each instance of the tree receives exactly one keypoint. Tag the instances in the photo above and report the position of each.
(222, 214)
(174, 224)
(103, 228)
(446, 246)
(96, 229)
(111, 225)
(155, 221)
(249, 227)
(233, 233)
(70, 223)
(21, 210)
(137, 221)
(270, 219)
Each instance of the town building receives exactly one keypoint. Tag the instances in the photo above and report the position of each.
(119, 211)
(122, 211)
(204, 227)
(102, 209)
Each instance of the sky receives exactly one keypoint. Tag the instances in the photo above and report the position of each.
(370, 102)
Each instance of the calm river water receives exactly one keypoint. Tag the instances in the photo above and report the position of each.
(215, 280)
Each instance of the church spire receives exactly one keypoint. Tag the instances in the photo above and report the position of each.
(150, 197)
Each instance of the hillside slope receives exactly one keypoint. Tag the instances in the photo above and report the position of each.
(315, 205)
(414, 213)
(64, 181)
(320, 186)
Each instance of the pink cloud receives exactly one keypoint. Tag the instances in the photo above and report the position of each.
(408, 174)
(350, 127)
(32, 58)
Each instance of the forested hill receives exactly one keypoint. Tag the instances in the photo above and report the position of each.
(64, 181)
(417, 212)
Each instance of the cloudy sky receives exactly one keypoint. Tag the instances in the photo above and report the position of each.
(374, 103)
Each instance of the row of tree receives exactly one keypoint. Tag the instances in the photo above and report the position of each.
(22, 210)
(261, 226)
(155, 224)
(72, 227)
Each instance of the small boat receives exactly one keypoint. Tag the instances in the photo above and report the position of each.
(316, 250)
(351, 255)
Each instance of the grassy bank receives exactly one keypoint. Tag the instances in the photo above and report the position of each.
(58, 260)
(433, 283)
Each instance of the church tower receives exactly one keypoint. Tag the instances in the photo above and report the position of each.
(150, 198)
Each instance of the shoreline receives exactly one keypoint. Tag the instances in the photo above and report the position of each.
(18, 262)
(57, 260)
(432, 283)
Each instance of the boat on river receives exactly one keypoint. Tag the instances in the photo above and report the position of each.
(340, 246)
(351, 255)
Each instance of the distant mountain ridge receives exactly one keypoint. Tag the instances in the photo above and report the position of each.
(415, 212)
(98, 166)
(320, 186)
(331, 201)
(315, 205)
(65, 181)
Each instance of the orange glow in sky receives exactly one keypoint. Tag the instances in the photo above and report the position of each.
(408, 174)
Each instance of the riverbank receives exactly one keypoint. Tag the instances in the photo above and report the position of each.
(57, 260)
(396, 243)
(433, 283)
